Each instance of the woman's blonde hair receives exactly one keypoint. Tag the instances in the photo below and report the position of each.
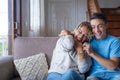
(85, 24)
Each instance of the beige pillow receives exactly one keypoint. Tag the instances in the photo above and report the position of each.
(32, 68)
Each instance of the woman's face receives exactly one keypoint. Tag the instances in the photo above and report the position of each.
(81, 33)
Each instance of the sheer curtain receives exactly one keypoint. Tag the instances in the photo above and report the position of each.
(3, 27)
(37, 18)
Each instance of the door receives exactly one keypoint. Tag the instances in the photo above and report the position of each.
(14, 20)
(10, 26)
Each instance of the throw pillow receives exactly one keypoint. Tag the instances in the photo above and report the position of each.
(32, 68)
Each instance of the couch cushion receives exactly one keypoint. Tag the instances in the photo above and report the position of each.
(33, 67)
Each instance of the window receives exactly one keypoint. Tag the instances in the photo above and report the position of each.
(3, 27)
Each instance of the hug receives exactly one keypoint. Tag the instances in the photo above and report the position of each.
(89, 49)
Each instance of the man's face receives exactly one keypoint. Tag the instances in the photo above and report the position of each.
(98, 28)
(81, 33)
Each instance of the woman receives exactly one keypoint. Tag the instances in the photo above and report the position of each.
(69, 61)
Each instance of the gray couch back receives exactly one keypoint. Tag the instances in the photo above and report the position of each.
(27, 46)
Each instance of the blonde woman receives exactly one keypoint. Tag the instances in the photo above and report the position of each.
(69, 62)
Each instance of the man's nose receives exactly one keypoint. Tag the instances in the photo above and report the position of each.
(97, 29)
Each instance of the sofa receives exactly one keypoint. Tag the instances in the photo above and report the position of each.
(25, 47)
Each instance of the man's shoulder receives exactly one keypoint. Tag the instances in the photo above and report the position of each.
(108, 39)
(113, 38)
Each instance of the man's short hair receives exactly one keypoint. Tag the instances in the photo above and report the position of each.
(99, 16)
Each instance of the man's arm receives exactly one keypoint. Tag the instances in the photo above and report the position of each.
(111, 63)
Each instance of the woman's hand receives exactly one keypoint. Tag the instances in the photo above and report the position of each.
(64, 33)
(79, 49)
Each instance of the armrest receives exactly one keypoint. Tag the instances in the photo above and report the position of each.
(6, 67)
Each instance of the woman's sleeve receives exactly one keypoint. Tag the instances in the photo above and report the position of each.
(67, 43)
(84, 64)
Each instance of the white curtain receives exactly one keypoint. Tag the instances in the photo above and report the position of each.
(37, 18)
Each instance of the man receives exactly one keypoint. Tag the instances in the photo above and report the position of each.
(104, 50)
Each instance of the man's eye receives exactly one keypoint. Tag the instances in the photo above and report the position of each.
(100, 26)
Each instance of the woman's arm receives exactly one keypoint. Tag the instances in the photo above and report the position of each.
(79, 49)
(84, 64)
(68, 43)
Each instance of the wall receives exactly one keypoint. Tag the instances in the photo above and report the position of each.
(64, 14)
(25, 17)
(54, 18)
(69, 14)
(109, 3)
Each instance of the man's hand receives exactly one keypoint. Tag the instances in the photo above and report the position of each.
(88, 49)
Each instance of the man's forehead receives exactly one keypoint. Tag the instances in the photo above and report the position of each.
(96, 21)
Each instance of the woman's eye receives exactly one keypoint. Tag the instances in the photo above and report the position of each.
(80, 32)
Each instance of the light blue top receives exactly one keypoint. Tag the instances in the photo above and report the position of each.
(107, 48)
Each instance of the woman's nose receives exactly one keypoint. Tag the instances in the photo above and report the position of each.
(82, 35)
